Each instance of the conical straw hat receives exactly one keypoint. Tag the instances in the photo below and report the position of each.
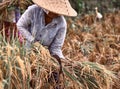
(61, 7)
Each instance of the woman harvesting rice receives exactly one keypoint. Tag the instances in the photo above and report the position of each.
(44, 22)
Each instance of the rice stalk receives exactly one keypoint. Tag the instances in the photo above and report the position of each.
(90, 75)
(87, 75)
(1, 80)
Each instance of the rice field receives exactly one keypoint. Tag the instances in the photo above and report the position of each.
(95, 41)
(20, 69)
(91, 48)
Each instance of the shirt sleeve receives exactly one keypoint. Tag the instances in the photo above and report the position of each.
(56, 46)
(24, 22)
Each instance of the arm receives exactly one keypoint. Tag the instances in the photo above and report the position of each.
(24, 22)
(56, 46)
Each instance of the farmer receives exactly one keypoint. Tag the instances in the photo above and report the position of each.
(44, 22)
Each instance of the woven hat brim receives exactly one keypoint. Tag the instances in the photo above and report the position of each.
(61, 7)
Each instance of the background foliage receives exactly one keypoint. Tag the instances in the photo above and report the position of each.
(85, 6)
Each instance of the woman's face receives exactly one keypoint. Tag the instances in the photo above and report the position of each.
(52, 15)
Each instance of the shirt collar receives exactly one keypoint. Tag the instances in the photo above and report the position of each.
(46, 11)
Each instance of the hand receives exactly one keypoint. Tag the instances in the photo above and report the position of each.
(36, 44)
(21, 38)
(59, 61)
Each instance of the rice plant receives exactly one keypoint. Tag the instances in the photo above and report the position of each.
(22, 69)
